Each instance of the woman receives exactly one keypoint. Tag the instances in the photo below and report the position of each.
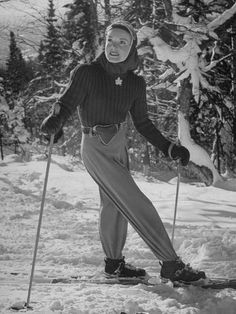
(105, 91)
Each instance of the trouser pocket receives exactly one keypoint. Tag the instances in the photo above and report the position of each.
(106, 132)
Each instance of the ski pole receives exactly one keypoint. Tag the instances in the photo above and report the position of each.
(176, 201)
(40, 219)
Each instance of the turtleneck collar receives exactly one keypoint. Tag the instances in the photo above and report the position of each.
(121, 68)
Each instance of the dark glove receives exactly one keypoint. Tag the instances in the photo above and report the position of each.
(179, 152)
(53, 123)
(57, 136)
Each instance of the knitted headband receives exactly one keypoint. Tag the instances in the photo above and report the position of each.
(126, 27)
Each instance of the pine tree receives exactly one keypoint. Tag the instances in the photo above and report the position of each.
(17, 74)
(50, 52)
(80, 29)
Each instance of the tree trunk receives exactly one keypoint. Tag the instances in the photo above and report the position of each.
(94, 20)
(168, 9)
(229, 143)
(234, 85)
(1, 146)
(200, 161)
(107, 12)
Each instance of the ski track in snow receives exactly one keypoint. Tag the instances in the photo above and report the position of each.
(69, 243)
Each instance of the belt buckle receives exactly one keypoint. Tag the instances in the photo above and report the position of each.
(93, 130)
(90, 132)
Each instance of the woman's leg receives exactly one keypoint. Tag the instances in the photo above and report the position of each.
(112, 228)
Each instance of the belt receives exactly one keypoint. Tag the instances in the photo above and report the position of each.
(99, 128)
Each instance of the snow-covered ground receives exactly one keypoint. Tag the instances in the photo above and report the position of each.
(69, 244)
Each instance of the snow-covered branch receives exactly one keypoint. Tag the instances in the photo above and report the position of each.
(215, 62)
(221, 19)
(186, 58)
(43, 99)
(60, 84)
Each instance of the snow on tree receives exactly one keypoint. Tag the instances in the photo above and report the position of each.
(16, 122)
(12, 126)
(3, 103)
(189, 65)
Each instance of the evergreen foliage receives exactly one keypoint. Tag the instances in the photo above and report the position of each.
(79, 32)
(139, 12)
(17, 72)
(50, 51)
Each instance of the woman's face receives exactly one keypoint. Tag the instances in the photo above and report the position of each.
(118, 44)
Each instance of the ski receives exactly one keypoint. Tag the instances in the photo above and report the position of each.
(111, 281)
(208, 283)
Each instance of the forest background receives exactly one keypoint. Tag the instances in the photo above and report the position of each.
(187, 52)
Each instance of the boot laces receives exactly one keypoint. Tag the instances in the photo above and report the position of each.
(123, 265)
(185, 267)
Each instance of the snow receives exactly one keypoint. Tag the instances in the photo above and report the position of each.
(69, 242)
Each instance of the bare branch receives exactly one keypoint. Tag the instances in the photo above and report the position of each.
(215, 62)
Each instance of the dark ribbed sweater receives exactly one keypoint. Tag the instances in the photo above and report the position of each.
(101, 101)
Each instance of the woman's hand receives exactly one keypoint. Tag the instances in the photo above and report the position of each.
(51, 125)
(179, 152)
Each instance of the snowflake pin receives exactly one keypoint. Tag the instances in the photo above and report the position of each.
(118, 81)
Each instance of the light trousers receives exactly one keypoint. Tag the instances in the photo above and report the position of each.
(121, 199)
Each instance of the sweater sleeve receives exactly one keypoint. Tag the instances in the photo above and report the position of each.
(142, 122)
(75, 91)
